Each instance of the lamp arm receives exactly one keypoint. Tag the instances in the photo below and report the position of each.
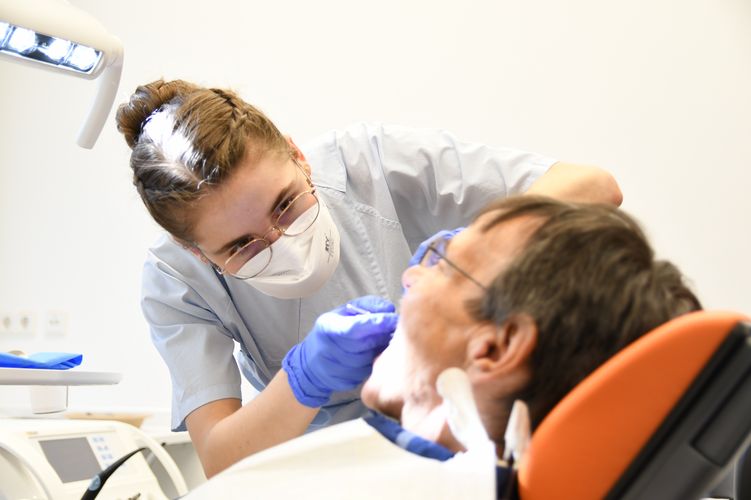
(109, 80)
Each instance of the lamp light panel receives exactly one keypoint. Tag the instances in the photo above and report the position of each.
(57, 36)
(39, 47)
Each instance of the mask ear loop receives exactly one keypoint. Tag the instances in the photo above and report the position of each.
(462, 415)
(516, 441)
(518, 434)
(465, 423)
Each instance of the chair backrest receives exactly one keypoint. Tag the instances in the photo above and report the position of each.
(661, 419)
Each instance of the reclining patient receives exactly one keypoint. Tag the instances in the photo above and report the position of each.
(528, 300)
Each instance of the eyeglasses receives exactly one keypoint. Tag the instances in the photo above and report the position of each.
(291, 218)
(437, 251)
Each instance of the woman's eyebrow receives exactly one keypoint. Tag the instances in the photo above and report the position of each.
(284, 193)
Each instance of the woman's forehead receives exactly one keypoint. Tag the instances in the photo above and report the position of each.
(244, 200)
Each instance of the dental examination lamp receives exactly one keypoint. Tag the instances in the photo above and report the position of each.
(55, 35)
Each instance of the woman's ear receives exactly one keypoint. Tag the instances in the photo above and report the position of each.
(296, 152)
(192, 249)
(298, 155)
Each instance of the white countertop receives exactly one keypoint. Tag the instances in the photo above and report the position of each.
(73, 376)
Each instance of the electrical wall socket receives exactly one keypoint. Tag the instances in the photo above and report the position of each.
(56, 323)
(6, 323)
(26, 323)
(18, 323)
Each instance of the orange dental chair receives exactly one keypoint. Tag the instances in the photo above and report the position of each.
(666, 418)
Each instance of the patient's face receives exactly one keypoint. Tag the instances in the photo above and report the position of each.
(435, 329)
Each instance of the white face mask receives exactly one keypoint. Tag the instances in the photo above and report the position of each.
(300, 265)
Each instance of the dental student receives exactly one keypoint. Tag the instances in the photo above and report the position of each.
(267, 242)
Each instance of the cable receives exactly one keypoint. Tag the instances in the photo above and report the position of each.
(97, 482)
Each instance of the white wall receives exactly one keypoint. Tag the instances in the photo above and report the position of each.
(654, 90)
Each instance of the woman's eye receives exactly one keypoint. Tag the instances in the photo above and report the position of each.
(284, 205)
(238, 246)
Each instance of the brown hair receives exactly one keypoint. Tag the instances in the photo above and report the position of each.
(184, 137)
(589, 278)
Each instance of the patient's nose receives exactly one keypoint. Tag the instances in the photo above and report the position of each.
(411, 275)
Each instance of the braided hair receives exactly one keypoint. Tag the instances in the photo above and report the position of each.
(185, 141)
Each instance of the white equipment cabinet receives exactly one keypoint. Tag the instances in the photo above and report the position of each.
(56, 459)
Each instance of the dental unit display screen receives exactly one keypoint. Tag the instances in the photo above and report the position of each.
(72, 458)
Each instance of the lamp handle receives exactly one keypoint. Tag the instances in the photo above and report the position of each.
(109, 80)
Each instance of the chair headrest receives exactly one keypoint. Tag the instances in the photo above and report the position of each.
(589, 439)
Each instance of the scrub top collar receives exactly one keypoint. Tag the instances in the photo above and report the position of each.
(326, 167)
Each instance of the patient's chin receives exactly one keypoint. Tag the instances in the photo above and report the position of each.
(384, 390)
(377, 398)
(432, 425)
(368, 395)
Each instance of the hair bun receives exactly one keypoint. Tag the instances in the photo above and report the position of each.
(145, 100)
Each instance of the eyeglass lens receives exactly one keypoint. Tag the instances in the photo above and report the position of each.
(435, 251)
(296, 216)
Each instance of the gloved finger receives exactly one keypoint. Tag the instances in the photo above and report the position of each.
(369, 303)
(336, 327)
(420, 252)
(423, 248)
(351, 361)
(364, 332)
(335, 372)
(340, 371)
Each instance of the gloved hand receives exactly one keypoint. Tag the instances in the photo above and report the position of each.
(420, 252)
(338, 353)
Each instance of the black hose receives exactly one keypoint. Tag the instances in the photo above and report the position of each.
(97, 482)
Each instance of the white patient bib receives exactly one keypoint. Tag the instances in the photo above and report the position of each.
(353, 460)
(346, 461)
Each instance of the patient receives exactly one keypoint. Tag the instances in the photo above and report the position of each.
(528, 300)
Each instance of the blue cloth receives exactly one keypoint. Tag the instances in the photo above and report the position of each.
(46, 360)
(388, 188)
(407, 440)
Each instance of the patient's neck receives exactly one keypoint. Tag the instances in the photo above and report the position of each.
(424, 415)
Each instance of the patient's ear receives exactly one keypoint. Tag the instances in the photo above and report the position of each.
(499, 367)
(500, 350)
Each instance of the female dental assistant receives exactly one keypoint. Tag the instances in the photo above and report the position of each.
(263, 237)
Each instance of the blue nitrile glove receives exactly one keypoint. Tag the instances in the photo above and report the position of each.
(420, 252)
(338, 353)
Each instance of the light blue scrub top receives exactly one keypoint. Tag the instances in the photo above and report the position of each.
(388, 188)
